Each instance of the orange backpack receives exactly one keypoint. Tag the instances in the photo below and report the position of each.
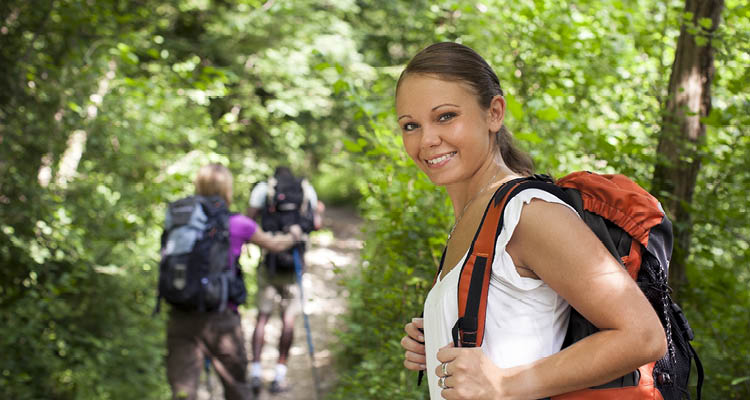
(632, 225)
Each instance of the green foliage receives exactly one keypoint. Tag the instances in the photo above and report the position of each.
(719, 265)
(107, 109)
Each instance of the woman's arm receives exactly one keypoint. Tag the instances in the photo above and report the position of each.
(557, 246)
(277, 242)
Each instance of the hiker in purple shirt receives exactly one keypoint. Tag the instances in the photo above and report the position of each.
(194, 335)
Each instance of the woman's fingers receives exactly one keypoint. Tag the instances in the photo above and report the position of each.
(450, 392)
(413, 343)
(410, 344)
(444, 369)
(414, 366)
(415, 361)
(414, 329)
(448, 353)
(466, 373)
(414, 357)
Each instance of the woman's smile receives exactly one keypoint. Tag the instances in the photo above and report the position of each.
(445, 130)
(440, 160)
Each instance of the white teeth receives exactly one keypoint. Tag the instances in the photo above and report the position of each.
(441, 158)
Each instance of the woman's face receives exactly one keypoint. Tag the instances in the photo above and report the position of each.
(444, 129)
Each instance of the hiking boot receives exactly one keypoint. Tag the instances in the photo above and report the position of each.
(255, 385)
(278, 387)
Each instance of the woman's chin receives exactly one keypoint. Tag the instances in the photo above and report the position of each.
(437, 180)
(438, 176)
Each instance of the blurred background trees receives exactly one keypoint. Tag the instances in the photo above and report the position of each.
(107, 108)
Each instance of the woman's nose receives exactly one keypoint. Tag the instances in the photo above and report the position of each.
(430, 137)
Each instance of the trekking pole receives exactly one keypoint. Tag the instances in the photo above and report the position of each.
(207, 368)
(298, 270)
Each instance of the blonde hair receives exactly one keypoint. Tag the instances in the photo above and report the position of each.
(214, 180)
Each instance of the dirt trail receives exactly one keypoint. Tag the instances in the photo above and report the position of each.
(323, 306)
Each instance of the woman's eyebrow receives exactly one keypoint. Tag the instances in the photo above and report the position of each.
(433, 109)
(443, 105)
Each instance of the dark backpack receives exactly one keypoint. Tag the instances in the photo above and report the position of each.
(286, 205)
(634, 228)
(194, 272)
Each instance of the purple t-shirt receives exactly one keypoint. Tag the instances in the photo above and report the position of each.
(241, 229)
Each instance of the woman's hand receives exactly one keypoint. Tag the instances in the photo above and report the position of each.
(413, 342)
(296, 232)
(469, 374)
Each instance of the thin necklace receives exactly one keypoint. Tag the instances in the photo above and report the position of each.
(486, 185)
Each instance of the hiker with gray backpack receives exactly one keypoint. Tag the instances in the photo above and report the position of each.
(199, 276)
(280, 202)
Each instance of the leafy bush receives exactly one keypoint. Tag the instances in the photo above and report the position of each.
(408, 221)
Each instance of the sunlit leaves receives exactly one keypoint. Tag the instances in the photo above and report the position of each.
(253, 84)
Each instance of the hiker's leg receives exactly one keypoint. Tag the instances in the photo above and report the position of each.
(287, 336)
(226, 344)
(259, 334)
(184, 355)
(290, 307)
(265, 301)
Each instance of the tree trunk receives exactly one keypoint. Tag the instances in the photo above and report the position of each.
(77, 140)
(682, 133)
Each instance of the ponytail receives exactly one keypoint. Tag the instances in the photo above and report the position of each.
(516, 159)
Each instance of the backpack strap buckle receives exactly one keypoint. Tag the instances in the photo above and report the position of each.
(465, 332)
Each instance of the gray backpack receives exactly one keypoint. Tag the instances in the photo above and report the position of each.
(195, 273)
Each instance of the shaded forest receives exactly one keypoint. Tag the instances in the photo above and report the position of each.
(108, 108)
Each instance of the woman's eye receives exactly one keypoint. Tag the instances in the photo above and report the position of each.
(446, 116)
(409, 126)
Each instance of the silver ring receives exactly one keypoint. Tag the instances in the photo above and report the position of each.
(441, 382)
(445, 369)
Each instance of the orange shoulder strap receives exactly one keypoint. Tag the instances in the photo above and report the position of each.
(474, 281)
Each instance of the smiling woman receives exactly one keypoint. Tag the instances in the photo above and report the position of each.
(448, 135)
(450, 110)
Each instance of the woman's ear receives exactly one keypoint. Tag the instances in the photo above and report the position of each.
(496, 113)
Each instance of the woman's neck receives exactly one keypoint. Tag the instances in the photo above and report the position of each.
(486, 178)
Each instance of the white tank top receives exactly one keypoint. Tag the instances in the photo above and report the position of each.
(526, 319)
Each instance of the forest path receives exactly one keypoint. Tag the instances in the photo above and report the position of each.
(325, 303)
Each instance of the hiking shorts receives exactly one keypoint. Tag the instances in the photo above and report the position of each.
(191, 336)
(278, 289)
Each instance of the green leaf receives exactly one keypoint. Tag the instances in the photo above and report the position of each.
(322, 66)
(515, 108)
(557, 92)
(340, 86)
(352, 146)
(713, 118)
(75, 107)
(530, 137)
(705, 22)
(548, 114)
